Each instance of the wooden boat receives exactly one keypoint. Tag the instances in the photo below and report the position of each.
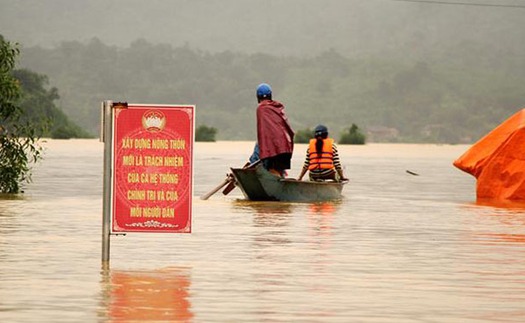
(257, 184)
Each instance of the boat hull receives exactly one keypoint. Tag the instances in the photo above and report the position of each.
(257, 184)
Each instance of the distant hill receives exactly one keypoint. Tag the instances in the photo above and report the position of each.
(423, 71)
(290, 27)
(38, 108)
(449, 100)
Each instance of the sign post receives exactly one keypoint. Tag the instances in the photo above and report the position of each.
(106, 137)
(149, 174)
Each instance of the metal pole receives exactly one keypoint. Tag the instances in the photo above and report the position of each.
(107, 139)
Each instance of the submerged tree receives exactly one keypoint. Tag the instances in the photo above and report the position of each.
(205, 133)
(303, 136)
(19, 146)
(352, 136)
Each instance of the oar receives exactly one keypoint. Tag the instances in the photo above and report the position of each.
(232, 185)
(216, 189)
(229, 180)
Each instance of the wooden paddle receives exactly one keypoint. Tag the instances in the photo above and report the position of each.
(216, 189)
(232, 185)
(230, 181)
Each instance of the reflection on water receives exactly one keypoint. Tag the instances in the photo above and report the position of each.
(495, 241)
(518, 206)
(510, 215)
(158, 295)
(321, 216)
(502, 237)
(275, 217)
(324, 208)
(7, 197)
(266, 213)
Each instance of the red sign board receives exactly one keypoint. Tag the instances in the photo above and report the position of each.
(152, 168)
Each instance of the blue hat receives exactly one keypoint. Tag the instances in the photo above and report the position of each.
(264, 91)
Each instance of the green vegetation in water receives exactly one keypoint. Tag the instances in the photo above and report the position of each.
(352, 136)
(303, 136)
(205, 133)
(19, 139)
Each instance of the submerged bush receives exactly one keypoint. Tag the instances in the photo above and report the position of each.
(352, 136)
(19, 145)
(303, 136)
(205, 133)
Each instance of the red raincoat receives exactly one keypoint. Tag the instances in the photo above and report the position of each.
(274, 133)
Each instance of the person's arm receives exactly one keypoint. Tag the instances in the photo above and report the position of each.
(303, 171)
(337, 163)
(341, 175)
(305, 165)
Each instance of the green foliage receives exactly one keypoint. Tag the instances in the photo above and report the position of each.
(205, 133)
(440, 98)
(67, 131)
(303, 136)
(352, 136)
(39, 109)
(19, 145)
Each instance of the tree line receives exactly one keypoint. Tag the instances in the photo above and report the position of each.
(19, 145)
(442, 99)
(27, 113)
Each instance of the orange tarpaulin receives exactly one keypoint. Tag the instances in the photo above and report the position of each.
(498, 161)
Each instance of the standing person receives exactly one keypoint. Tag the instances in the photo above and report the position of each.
(322, 158)
(274, 133)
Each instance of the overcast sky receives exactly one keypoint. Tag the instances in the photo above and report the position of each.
(297, 27)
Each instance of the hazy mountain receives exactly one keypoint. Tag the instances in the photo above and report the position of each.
(281, 27)
(428, 69)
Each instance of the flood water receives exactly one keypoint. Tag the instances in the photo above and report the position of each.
(397, 248)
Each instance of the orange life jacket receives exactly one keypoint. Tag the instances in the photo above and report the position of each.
(323, 160)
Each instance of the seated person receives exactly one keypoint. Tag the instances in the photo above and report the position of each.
(322, 158)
